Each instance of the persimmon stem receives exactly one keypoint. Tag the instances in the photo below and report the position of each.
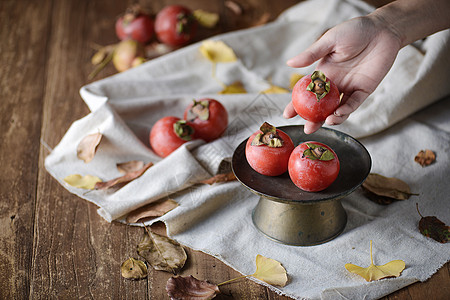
(234, 279)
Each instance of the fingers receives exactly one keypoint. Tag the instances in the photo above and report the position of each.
(316, 51)
(289, 111)
(311, 127)
(343, 112)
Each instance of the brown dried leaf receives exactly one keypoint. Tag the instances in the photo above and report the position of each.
(134, 269)
(234, 7)
(434, 228)
(88, 147)
(130, 166)
(152, 210)
(190, 288)
(387, 187)
(425, 157)
(123, 179)
(225, 177)
(161, 252)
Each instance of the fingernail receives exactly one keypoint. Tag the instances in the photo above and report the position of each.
(337, 114)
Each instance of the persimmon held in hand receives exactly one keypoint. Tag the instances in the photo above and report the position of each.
(208, 117)
(315, 97)
(168, 134)
(268, 150)
(313, 166)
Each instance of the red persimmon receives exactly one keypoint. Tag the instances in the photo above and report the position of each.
(315, 97)
(313, 166)
(208, 117)
(135, 25)
(175, 25)
(268, 150)
(168, 134)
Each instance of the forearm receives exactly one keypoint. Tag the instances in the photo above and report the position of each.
(412, 20)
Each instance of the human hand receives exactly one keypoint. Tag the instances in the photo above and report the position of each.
(355, 55)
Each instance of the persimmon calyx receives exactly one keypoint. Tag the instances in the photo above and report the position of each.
(319, 85)
(268, 137)
(183, 130)
(315, 152)
(200, 109)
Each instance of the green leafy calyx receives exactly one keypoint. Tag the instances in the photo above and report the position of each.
(315, 152)
(268, 137)
(200, 109)
(319, 85)
(183, 130)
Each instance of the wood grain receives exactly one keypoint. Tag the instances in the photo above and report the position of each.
(52, 243)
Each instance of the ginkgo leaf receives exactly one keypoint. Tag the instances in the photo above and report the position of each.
(275, 90)
(87, 147)
(293, 79)
(391, 269)
(270, 271)
(133, 269)
(217, 51)
(234, 88)
(205, 18)
(87, 182)
(190, 288)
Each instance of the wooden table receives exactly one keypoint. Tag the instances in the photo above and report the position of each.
(52, 243)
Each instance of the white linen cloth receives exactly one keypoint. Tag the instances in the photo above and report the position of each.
(217, 219)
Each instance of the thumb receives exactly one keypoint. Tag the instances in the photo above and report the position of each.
(316, 51)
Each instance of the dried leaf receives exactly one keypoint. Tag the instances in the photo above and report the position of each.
(293, 79)
(270, 271)
(152, 210)
(217, 51)
(205, 18)
(234, 7)
(225, 177)
(434, 228)
(234, 88)
(391, 269)
(130, 166)
(156, 49)
(87, 182)
(190, 288)
(134, 269)
(425, 157)
(123, 179)
(88, 146)
(161, 252)
(102, 54)
(275, 90)
(387, 187)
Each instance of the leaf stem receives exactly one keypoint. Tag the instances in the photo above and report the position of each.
(234, 279)
(371, 257)
(417, 207)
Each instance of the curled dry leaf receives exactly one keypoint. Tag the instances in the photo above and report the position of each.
(392, 188)
(234, 7)
(205, 18)
(234, 88)
(88, 147)
(190, 288)
(123, 179)
(225, 177)
(434, 228)
(391, 269)
(156, 49)
(134, 269)
(270, 271)
(161, 252)
(87, 182)
(130, 166)
(152, 210)
(425, 157)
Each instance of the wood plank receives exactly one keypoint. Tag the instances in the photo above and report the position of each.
(24, 34)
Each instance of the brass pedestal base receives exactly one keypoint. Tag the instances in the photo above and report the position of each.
(300, 224)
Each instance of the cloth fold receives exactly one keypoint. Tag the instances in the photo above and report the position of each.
(216, 219)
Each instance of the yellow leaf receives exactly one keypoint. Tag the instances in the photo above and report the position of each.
(275, 90)
(391, 269)
(234, 88)
(270, 271)
(217, 51)
(293, 79)
(206, 19)
(83, 182)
